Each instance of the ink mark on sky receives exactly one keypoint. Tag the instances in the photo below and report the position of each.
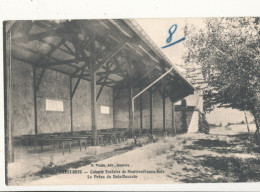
(169, 39)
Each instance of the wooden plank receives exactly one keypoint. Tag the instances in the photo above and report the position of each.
(71, 106)
(33, 51)
(131, 115)
(40, 79)
(52, 45)
(75, 87)
(22, 60)
(35, 100)
(32, 37)
(173, 119)
(112, 82)
(61, 62)
(141, 111)
(101, 88)
(68, 48)
(53, 48)
(163, 99)
(110, 55)
(147, 73)
(77, 83)
(9, 125)
(93, 103)
(33, 63)
(114, 30)
(151, 110)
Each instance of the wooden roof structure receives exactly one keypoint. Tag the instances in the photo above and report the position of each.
(121, 53)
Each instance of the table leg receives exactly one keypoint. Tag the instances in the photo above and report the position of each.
(41, 146)
(70, 146)
(34, 146)
(26, 142)
(20, 143)
(86, 144)
(62, 147)
(80, 144)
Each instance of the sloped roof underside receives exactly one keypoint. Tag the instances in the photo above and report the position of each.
(121, 54)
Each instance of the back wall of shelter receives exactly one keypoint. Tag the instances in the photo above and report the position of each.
(55, 86)
(121, 112)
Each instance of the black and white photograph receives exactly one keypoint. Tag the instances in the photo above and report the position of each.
(132, 101)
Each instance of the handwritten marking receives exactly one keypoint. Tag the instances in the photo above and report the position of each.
(169, 39)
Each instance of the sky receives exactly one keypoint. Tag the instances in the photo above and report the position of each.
(157, 30)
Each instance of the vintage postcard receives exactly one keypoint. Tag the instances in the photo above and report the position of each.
(132, 101)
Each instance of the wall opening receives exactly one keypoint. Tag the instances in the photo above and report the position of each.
(104, 109)
(54, 105)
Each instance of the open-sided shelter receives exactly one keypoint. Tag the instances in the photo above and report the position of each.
(68, 76)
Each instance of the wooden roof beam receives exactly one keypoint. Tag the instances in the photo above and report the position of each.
(111, 55)
(36, 36)
(61, 49)
(32, 51)
(61, 62)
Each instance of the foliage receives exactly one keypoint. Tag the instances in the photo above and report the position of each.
(226, 54)
(223, 60)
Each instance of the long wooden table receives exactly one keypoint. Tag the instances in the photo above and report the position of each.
(113, 136)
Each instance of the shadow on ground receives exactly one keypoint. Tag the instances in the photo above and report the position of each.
(239, 144)
(225, 164)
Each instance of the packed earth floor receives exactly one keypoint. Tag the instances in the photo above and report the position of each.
(224, 155)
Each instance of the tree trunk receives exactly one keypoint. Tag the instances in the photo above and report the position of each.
(256, 123)
(257, 128)
(247, 123)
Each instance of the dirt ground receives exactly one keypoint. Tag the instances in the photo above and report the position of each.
(224, 155)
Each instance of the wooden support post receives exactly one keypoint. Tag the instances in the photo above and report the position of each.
(93, 103)
(151, 111)
(141, 111)
(71, 107)
(9, 125)
(184, 116)
(173, 119)
(35, 100)
(131, 122)
(163, 98)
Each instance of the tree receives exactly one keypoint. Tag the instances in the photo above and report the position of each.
(225, 54)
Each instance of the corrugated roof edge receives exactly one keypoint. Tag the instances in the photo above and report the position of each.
(133, 25)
